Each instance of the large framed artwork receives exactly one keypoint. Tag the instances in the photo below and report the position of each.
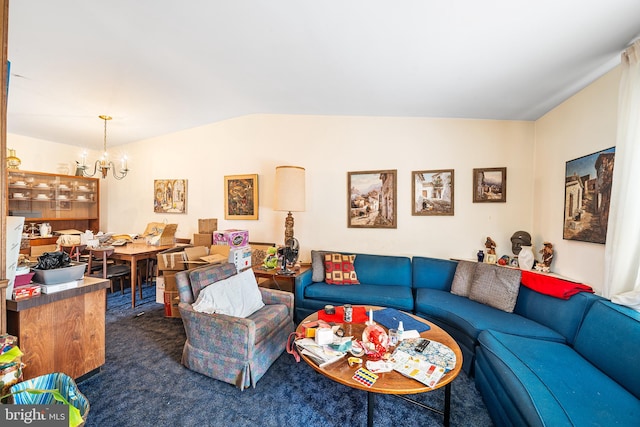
(241, 197)
(170, 195)
(490, 185)
(587, 195)
(432, 192)
(371, 198)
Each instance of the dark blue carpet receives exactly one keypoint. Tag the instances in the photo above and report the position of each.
(143, 384)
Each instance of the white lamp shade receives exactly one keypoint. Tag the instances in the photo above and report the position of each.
(290, 189)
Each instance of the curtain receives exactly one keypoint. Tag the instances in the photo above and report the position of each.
(622, 251)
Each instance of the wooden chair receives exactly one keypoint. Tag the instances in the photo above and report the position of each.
(108, 270)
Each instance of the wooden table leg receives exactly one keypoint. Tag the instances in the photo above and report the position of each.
(134, 279)
(371, 403)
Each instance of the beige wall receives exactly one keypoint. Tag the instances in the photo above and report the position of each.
(329, 147)
(584, 124)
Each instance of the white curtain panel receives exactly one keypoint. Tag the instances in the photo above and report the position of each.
(622, 251)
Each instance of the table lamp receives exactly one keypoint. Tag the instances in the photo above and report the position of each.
(289, 195)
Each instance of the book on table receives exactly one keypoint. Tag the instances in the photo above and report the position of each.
(321, 355)
(427, 364)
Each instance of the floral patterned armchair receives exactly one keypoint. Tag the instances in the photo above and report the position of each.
(235, 350)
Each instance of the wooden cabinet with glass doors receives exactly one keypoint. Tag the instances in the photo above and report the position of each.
(63, 201)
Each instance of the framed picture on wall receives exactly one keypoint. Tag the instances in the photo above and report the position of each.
(241, 197)
(432, 192)
(587, 195)
(490, 185)
(170, 195)
(371, 199)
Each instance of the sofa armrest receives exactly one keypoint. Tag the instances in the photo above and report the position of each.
(274, 296)
(226, 335)
(301, 282)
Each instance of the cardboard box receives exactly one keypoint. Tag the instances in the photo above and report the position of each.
(161, 235)
(195, 254)
(241, 257)
(171, 304)
(172, 260)
(169, 279)
(26, 291)
(160, 289)
(233, 238)
(207, 225)
(203, 239)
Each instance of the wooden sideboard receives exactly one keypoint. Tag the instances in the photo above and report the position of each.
(63, 331)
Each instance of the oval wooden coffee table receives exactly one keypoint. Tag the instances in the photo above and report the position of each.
(391, 382)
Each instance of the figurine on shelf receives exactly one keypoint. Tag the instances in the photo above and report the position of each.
(518, 240)
(490, 245)
(547, 255)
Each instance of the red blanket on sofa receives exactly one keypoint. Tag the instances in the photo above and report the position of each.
(553, 286)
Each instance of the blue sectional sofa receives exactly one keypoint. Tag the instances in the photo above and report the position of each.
(538, 365)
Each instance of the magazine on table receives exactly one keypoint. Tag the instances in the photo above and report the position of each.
(321, 355)
(423, 360)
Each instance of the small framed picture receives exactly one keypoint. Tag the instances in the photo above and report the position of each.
(170, 196)
(491, 259)
(432, 192)
(371, 199)
(241, 197)
(490, 185)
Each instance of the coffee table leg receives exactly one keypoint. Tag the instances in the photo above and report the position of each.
(371, 403)
(447, 404)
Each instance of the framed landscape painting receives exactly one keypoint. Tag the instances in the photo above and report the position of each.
(490, 185)
(432, 192)
(170, 195)
(371, 198)
(241, 197)
(587, 195)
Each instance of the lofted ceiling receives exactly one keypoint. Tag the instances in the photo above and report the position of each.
(161, 66)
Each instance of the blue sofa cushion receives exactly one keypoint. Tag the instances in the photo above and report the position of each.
(383, 270)
(549, 381)
(564, 316)
(610, 339)
(383, 295)
(433, 273)
(472, 317)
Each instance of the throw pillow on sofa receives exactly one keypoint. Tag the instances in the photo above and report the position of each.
(317, 265)
(236, 296)
(495, 286)
(463, 278)
(339, 269)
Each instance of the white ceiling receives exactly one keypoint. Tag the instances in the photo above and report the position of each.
(160, 66)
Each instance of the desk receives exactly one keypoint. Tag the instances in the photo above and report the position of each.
(63, 331)
(132, 253)
(282, 282)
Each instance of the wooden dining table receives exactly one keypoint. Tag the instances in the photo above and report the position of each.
(132, 253)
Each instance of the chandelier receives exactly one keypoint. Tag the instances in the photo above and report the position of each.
(103, 164)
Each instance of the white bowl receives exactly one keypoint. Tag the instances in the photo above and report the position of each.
(20, 183)
(82, 187)
(82, 198)
(42, 196)
(62, 197)
(42, 185)
(18, 195)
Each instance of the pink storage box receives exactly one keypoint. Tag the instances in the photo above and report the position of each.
(23, 279)
(233, 238)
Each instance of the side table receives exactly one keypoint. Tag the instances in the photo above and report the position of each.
(278, 281)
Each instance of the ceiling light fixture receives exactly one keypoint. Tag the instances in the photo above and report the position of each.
(103, 164)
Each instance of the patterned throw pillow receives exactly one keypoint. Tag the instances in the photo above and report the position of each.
(496, 286)
(463, 278)
(339, 269)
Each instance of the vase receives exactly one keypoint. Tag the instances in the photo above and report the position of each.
(526, 258)
(480, 255)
